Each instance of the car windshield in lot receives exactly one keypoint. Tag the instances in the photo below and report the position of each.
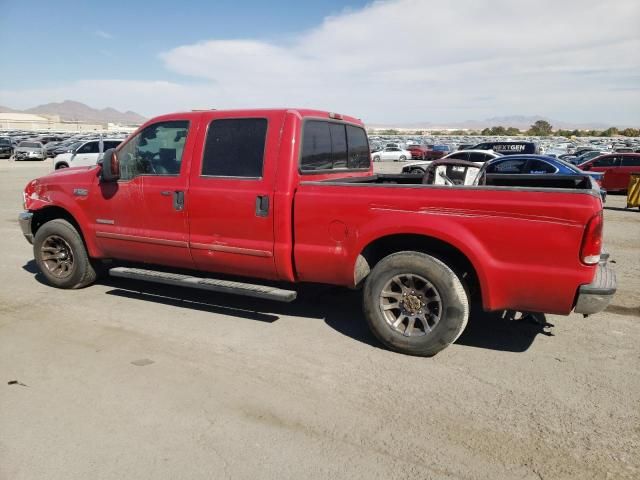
(5, 141)
(30, 145)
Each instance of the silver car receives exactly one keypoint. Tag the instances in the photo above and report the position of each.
(30, 151)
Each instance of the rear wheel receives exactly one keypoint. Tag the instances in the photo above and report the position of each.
(403, 158)
(416, 170)
(415, 304)
(61, 256)
(376, 159)
(61, 165)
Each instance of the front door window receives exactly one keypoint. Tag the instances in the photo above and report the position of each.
(157, 150)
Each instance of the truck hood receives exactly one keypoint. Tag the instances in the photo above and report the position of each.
(80, 175)
(43, 190)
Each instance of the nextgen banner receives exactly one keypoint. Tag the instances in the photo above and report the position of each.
(509, 148)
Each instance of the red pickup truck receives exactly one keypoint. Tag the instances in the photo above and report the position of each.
(288, 196)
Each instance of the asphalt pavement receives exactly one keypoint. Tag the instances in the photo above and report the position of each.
(131, 380)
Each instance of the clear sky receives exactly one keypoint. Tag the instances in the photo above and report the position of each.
(386, 62)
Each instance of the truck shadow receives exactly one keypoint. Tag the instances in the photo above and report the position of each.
(339, 308)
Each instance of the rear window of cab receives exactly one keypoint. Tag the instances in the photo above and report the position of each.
(328, 146)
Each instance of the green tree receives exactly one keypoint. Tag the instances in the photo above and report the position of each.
(609, 132)
(631, 132)
(512, 131)
(541, 128)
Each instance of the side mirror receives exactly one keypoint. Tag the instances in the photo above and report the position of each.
(110, 166)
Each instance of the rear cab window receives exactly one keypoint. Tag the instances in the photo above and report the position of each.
(328, 146)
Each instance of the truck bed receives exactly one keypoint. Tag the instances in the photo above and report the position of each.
(522, 233)
(544, 181)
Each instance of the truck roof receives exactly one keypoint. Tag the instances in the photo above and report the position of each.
(253, 112)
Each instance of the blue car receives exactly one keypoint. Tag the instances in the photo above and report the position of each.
(537, 165)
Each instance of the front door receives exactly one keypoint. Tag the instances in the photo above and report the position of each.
(607, 165)
(147, 217)
(231, 194)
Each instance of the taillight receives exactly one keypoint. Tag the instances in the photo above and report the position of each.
(592, 240)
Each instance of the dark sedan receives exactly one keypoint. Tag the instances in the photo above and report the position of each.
(537, 165)
(6, 148)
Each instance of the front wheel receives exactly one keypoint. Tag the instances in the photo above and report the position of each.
(61, 256)
(376, 159)
(403, 158)
(61, 165)
(415, 304)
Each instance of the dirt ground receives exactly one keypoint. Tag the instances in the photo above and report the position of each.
(131, 380)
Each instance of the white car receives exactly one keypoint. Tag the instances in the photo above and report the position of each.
(478, 156)
(396, 154)
(86, 154)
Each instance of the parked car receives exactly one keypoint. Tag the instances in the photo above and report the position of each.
(67, 147)
(396, 154)
(30, 151)
(418, 151)
(88, 153)
(585, 157)
(479, 156)
(616, 169)
(438, 151)
(301, 203)
(540, 165)
(6, 148)
(50, 148)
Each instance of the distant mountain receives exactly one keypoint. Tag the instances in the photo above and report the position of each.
(522, 122)
(75, 111)
(8, 110)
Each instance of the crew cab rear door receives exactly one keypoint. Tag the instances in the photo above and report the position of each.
(231, 187)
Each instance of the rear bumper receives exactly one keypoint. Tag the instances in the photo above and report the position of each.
(24, 219)
(597, 295)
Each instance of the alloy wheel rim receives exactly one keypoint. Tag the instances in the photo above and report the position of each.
(57, 256)
(411, 305)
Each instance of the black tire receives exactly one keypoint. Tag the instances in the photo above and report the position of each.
(452, 305)
(80, 272)
(376, 159)
(61, 165)
(416, 171)
(403, 158)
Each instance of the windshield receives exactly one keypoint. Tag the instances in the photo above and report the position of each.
(30, 145)
(5, 141)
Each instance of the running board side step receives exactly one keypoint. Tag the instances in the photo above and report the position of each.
(211, 284)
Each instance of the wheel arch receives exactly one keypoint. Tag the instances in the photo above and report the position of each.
(46, 214)
(449, 254)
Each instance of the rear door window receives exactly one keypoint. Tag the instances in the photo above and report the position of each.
(235, 148)
(604, 162)
(631, 161)
(507, 166)
(111, 144)
(539, 167)
(90, 147)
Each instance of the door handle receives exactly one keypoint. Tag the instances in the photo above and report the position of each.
(262, 205)
(178, 200)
